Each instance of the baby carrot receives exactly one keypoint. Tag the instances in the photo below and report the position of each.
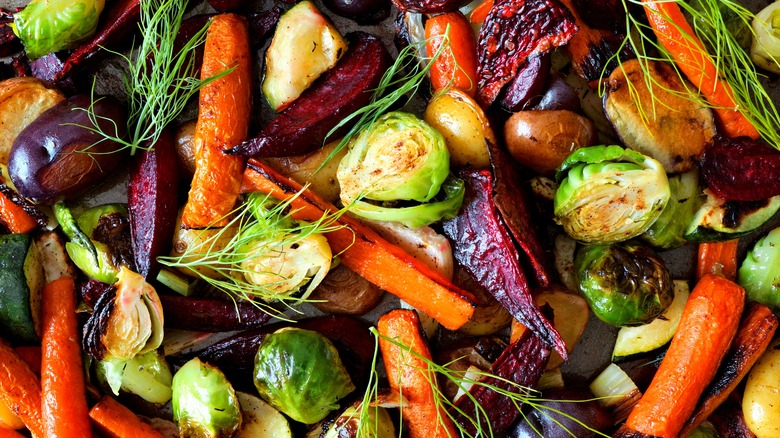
(480, 13)
(14, 217)
(20, 389)
(457, 64)
(718, 258)
(116, 421)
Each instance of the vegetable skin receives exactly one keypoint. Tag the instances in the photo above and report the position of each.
(717, 258)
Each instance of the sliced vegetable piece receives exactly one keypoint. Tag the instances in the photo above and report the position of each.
(456, 66)
(204, 402)
(668, 230)
(146, 375)
(261, 420)
(741, 169)
(20, 298)
(616, 391)
(759, 273)
(429, 6)
(210, 315)
(718, 220)
(13, 216)
(765, 49)
(366, 253)
(20, 390)
(223, 122)
(116, 421)
(760, 405)
(718, 258)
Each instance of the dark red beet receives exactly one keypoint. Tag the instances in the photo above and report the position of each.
(513, 31)
(152, 203)
(361, 11)
(301, 128)
(9, 42)
(226, 5)
(261, 24)
(527, 84)
(210, 315)
(429, 6)
(741, 169)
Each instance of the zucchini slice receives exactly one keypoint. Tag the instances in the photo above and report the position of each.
(21, 282)
(718, 220)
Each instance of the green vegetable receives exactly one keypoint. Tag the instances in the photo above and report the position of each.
(705, 430)
(717, 220)
(609, 194)
(299, 372)
(765, 50)
(204, 402)
(668, 231)
(347, 425)
(624, 284)
(46, 26)
(21, 282)
(759, 273)
(145, 375)
(732, 21)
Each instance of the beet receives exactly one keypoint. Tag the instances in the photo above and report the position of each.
(741, 169)
(211, 315)
(429, 6)
(528, 84)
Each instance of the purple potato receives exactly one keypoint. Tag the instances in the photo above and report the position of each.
(56, 156)
(559, 96)
(551, 424)
(528, 84)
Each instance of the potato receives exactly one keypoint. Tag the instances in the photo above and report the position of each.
(761, 400)
(346, 292)
(541, 140)
(185, 146)
(465, 128)
(22, 100)
(198, 243)
(303, 168)
(671, 127)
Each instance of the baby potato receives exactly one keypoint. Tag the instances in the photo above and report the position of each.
(761, 401)
(465, 128)
(306, 169)
(541, 140)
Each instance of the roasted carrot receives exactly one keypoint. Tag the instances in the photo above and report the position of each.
(410, 375)
(718, 258)
(753, 338)
(8, 433)
(516, 330)
(708, 324)
(20, 389)
(480, 13)
(365, 252)
(223, 122)
(9, 420)
(32, 356)
(114, 420)
(14, 217)
(64, 400)
(676, 35)
(457, 64)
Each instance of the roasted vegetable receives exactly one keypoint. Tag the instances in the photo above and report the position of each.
(668, 231)
(317, 169)
(343, 291)
(46, 26)
(21, 282)
(204, 402)
(759, 273)
(146, 375)
(429, 6)
(353, 423)
(563, 413)
(765, 49)
(760, 404)
(625, 284)
(456, 64)
(260, 419)
(211, 315)
(609, 194)
(719, 220)
(741, 169)
(363, 11)
(299, 372)
(22, 100)
(528, 84)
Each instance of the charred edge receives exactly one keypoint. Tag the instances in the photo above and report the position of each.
(40, 218)
(97, 324)
(113, 230)
(627, 432)
(262, 24)
(92, 290)
(601, 56)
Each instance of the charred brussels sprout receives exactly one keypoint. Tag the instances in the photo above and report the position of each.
(624, 284)
(204, 402)
(609, 194)
(299, 372)
(46, 26)
(759, 273)
(668, 231)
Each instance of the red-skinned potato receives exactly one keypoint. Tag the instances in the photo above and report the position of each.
(57, 157)
(541, 140)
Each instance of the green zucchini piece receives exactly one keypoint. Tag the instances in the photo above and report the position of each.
(718, 220)
(21, 282)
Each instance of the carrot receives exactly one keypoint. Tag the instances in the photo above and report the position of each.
(14, 217)
(703, 336)
(114, 420)
(8, 433)
(457, 64)
(64, 397)
(676, 35)
(32, 356)
(718, 258)
(365, 252)
(409, 374)
(223, 122)
(516, 330)
(20, 389)
(480, 13)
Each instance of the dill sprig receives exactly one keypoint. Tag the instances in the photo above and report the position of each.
(258, 229)
(518, 394)
(159, 79)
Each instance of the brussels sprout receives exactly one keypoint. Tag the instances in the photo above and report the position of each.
(399, 157)
(765, 50)
(609, 194)
(759, 273)
(204, 402)
(46, 26)
(624, 284)
(376, 423)
(299, 372)
(669, 229)
(145, 375)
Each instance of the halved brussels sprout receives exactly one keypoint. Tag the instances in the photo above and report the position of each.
(759, 273)
(609, 194)
(668, 231)
(145, 375)
(399, 157)
(376, 423)
(204, 402)
(46, 26)
(299, 372)
(624, 284)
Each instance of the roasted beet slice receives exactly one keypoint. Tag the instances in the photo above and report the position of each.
(261, 25)
(226, 5)
(527, 84)
(513, 31)
(429, 6)
(483, 246)
(301, 128)
(211, 315)
(522, 363)
(153, 203)
(741, 169)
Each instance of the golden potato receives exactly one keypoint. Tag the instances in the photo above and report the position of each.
(761, 401)
(465, 128)
(541, 140)
(22, 100)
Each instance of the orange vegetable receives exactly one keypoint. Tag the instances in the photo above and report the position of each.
(718, 258)
(708, 324)
(362, 250)
(516, 330)
(223, 122)
(64, 397)
(8, 433)
(456, 65)
(14, 217)
(409, 375)
(480, 13)
(20, 389)
(114, 420)
(32, 356)
(676, 35)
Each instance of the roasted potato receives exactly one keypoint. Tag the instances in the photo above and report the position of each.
(303, 168)
(185, 146)
(345, 292)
